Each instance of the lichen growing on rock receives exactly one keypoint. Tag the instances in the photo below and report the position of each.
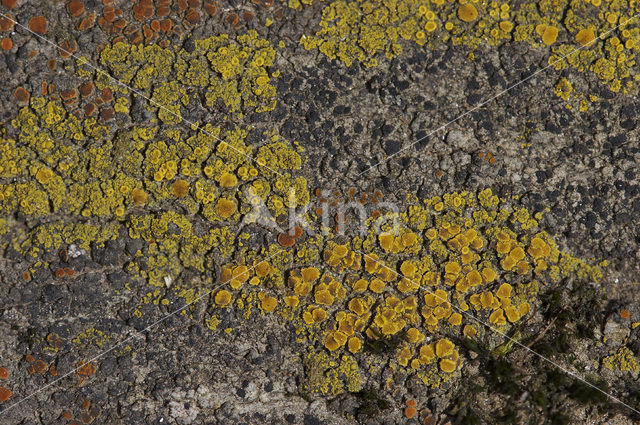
(605, 32)
(232, 71)
(400, 296)
(457, 263)
(623, 360)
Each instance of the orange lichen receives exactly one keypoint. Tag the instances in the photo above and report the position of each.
(455, 319)
(9, 4)
(512, 314)
(624, 314)
(291, 300)
(310, 274)
(335, 340)
(75, 8)
(4, 373)
(6, 24)
(504, 291)
(6, 44)
(497, 317)
(86, 369)
(38, 24)
(5, 393)
(21, 95)
(285, 240)
(409, 412)
(38, 366)
(323, 296)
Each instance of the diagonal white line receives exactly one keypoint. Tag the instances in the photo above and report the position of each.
(518, 343)
(475, 108)
(84, 61)
(136, 332)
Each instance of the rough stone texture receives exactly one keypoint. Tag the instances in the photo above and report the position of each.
(580, 166)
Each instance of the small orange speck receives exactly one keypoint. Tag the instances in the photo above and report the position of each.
(21, 95)
(66, 416)
(166, 25)
(624, 314)
(5, 393)
(53, 371)
(86, 89)
(75, 8)
(4, 373)
(38, 24)
(210, 8)
(86, 369)
(410, 412)
(60, 273)
(69, 271)
(6, 43)
(492, 160)
(29, 358)
(26, 276)
(285, 240)
(233, 19)
(411, 403)
(9, 4)
(6, 24)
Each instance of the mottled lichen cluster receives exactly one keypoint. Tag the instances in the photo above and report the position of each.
(232, 71)
(451, 265)
(423, 278)
(363, 30)
(623, 360)
(209, 211)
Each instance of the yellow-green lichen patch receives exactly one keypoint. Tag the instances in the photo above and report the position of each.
(232, 71)
(365, 30)
(171, 187)
(623, 360)
(452, 265)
